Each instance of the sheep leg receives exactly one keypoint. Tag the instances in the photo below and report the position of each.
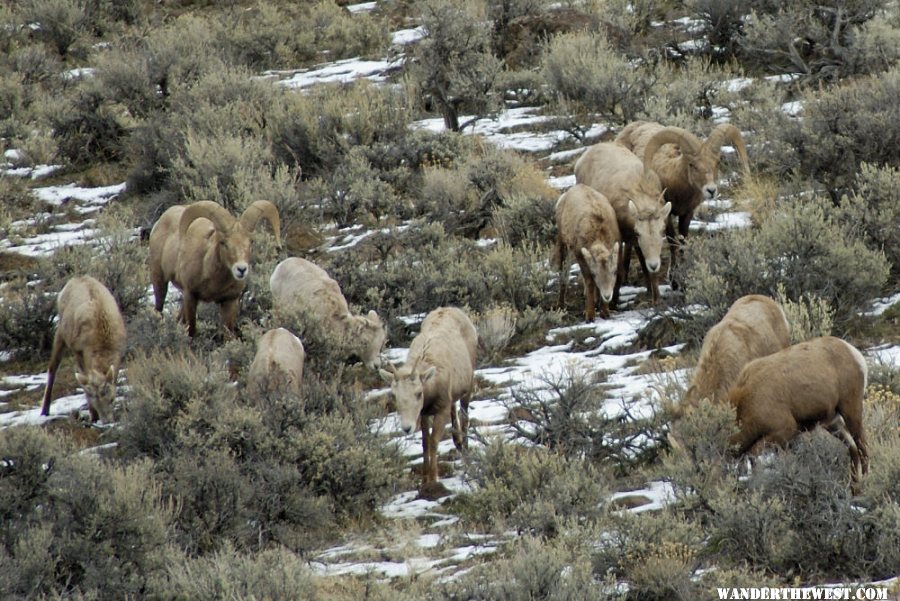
(852, 414)
(189, 312)
(464, 419)
(438, 423)
(160, 288)
(55, 359)
(559, 258)
(590, 289)
(652, 285)
(676, 248)
(625, 264)
(229, 311)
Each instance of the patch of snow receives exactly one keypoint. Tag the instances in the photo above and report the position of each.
(60, 407)
(723, 221)
(363, 7)
(343, 71)
(793, 109)
(95, 198)
(563, 182)
(79, 73)
(882, 304)
(45, 245)
(885, 354)
(659, 495)
(407, 36)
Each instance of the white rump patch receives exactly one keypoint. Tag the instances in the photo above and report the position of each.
(861, 361)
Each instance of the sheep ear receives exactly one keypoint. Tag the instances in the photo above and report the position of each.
(428, 374)
(386, 375)
(667, 208)
(586, 254)
(632, 209)
(373, 318)
(81, 379)
(111, 374)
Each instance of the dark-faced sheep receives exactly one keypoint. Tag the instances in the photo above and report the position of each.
(807, 384)
(587, 228)
(205, 252)
(636, 196)
(300, 284)
(687, 166)
(91, 326)
(753, 327)
(439, 370)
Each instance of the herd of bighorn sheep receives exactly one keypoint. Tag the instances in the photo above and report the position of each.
(627, 194)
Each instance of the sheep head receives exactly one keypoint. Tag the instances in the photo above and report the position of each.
(100, 390)
(603, 263)
(727, 132)
(650, 228)
(698, 162)
(369, 334)
(408, 386)
(232, 236)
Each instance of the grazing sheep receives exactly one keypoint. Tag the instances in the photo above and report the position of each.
(278, 363)
(91, 326)
(687, 167)
(587, 227)
(637, 198)
(807, 384)
(205, 252)
(439, 369)
(755, 326)
(298, 283)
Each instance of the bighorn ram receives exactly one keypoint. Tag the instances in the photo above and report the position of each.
(637, 197)
(91, 326)
(205, 252)
(587, 227)
(687, 167)
(278, 363)
(820, 381)
(755, 326)
(298, 283)
(439, 369)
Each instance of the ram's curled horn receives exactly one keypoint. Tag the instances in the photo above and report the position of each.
(262, 208)
(219, 215)
(727, 131)
(685, 140)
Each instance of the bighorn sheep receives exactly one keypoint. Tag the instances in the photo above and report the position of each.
(587, 227)
(298, 283)
(637, 197)
(687, 167)
(754, 326)
(91, 326)
(439, 369)
(810, 383)
(278, 363)
(205, 252)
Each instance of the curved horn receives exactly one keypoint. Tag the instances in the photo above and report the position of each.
(685, 140)
(262, 208)
(727, 131)
(219, 215)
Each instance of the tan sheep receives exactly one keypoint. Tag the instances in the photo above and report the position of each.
(277, 365)
(753, 327)
(300, 284)
(637, 198)
(91, 326)
(807, 384)
(687, 167)
(439, 370)
(205, 252)
(587, 228)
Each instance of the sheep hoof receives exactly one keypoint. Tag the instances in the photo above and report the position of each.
(432, 491)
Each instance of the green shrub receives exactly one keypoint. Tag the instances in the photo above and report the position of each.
(62, 22)
(27, 321)
(453, 64)
(531, 568)
(533, 490)
(76, 525)
(817, 40)
(872, 211)
(585, 69)
(796, 515)
(88, 131)
(800, 248)
(565, 413)
(809, 317)
(36, 64)
(846, 126)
